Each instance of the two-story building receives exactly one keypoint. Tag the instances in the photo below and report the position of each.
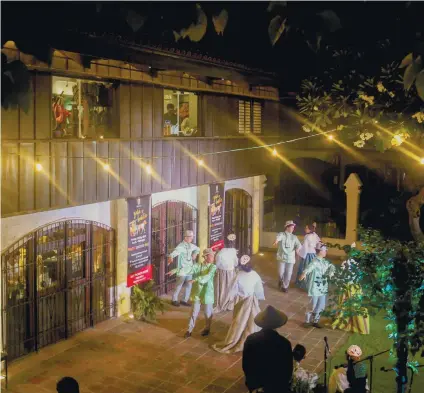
(109, 166)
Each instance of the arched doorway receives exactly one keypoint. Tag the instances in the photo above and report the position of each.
(169, 221)
(57, 281)
(238, 218)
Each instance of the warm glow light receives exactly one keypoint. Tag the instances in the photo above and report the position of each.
(422, 161)
(101, 137)
(200, 162)
(274, 152)
(330, 137)
(398, 138)
(38, 167)
(149, 169)
(261, 254)
(106, 167)
(131, 316)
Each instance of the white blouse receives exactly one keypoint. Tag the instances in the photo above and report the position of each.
(248, 284)
(227, 259)
(310, 242)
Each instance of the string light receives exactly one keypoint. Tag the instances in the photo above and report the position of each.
(330, 137)
(38, 167)
(274, 152)
(200, 162)
(399, 139)
(101, 137)
(422, 161)
(106, 167)
(149, 169)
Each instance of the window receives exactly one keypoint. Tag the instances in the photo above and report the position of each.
(83, 109)
(250, 117)
(180, 113)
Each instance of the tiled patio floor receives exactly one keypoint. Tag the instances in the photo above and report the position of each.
(121, 356)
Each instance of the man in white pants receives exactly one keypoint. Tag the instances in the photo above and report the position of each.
(186, 252)
(288, 244)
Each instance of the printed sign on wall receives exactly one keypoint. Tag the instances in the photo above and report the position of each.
(139, 262)
(216, 216)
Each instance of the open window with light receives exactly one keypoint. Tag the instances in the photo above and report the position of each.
(83, 109)
(250, 117)
(180, 116)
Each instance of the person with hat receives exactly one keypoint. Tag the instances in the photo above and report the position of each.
(320, 271)
(187, 253)
(356, 372)
(226, 262)
(202, 293)
(267, 356)
(288, 244)
(247, 287)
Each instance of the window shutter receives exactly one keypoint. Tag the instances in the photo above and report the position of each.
(242, 121)
(257, 117)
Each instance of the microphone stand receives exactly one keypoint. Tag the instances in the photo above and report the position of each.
(371, 359)
(412, 374)
(326, 352)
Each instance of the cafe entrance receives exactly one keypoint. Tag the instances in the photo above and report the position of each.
(57, 281)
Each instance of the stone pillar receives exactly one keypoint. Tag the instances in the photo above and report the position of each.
(353, 191)
(203, 218)
(259, 183)
(120, 224)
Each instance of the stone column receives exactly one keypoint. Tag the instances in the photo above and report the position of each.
(203, 218)
(353, 191)
(257, 211)
(119, 210)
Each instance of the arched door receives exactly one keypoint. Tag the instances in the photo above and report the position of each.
(238, 218)
(56, 281)
(169, 221)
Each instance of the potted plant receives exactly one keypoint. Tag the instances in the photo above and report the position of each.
(145, 303)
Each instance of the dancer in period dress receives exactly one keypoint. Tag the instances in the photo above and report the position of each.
(226, 262)
(307, 253)
(248, 288)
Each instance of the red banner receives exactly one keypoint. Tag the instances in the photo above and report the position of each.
(141, 276)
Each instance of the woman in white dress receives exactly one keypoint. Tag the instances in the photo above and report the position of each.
(248, 289)
(226, 262)
(307, 253)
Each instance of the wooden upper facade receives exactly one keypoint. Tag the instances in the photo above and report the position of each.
(104, 132)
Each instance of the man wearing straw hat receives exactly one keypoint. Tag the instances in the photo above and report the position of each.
(186, 252)
(267, 356)
(288, 244)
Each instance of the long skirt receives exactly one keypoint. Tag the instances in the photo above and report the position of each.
(303, 264)
(242, 326)
(224, 279)
(354, 324)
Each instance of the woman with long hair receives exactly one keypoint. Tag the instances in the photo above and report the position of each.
(248, 289)
(307, 252)
(226, 262)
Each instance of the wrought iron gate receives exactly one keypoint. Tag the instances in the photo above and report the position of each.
(56, 281)
(169, 221)
(238, 218)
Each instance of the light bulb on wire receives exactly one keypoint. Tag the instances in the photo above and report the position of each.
(38, 167)
(200, 162)
(330, 137)
(106, 167)
(149, 169)
(422, 161)
(274, 152)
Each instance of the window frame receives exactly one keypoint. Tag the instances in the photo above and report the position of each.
(198, 95)
(252, 103)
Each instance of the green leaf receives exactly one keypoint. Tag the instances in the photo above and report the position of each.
(419, 84)
(411, 73)
(407, 60)
(276, 28)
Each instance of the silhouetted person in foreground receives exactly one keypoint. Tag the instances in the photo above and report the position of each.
(67, 385)
(267, 356)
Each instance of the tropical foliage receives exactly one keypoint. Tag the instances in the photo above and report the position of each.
(368, 105)
(390, 275)
(145, 303)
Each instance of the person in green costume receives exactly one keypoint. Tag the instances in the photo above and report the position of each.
(202, 292)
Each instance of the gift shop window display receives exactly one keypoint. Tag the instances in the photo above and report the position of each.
(82, 108)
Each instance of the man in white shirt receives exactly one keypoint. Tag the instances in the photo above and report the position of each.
(288, 244)
(186, 252)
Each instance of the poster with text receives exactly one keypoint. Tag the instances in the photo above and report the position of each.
(139, 263)
(216, 216)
